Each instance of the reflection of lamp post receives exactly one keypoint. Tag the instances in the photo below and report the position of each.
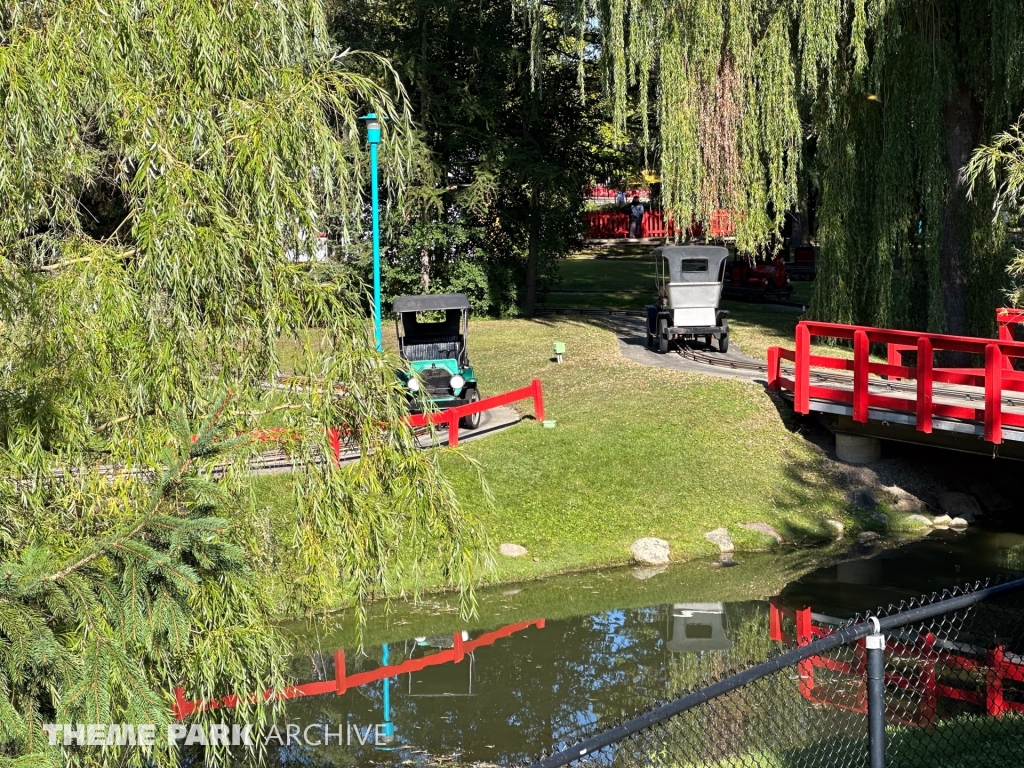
(373, 137)
(389, 727)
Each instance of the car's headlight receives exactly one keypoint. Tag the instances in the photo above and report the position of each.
(413, 384)
(457, 382)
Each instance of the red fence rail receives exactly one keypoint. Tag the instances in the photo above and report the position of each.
(533, 392)
(341, 682)
(991, 667)
(996, 377)
(451, 416)
(602, 192)
(610, 225)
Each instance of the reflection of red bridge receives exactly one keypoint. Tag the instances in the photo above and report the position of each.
(912, 402)
(942, 669)
(341, 682)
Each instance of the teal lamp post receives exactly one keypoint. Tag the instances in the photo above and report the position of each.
(373, 137)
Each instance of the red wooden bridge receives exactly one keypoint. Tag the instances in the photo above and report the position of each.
(931, 670)
(979, 409)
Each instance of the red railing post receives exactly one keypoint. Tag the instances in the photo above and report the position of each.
(802, 374)
(774, 622)
(538, 400)
(928, 680)
(924, 385)
(453, 427)
(334, 437)
(773, 368)
(457, 647)
(861, 359)
(805, 668)
(182, 706)
(340, 683)
(995, 701)
(993, 394)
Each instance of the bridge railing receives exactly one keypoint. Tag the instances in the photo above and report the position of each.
(997, 375)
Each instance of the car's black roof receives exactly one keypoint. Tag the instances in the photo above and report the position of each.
(431, 302)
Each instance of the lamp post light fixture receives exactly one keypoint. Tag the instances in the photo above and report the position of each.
(373, 137)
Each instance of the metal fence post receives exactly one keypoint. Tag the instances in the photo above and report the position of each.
(875, 645)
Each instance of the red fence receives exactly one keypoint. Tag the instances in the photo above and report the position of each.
(611, 225)
(533, 392)
(991, 667)
(342, 681)
(602, 192)
(996, 377)
(451, 416)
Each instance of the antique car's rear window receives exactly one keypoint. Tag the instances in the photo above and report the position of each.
(693, 265)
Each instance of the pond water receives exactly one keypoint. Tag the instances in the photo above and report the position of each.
(552, 661)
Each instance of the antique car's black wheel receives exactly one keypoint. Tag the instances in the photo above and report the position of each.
(663, 335)
(473, 420)
(723, 342)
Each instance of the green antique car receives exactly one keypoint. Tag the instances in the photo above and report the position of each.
(432, 339)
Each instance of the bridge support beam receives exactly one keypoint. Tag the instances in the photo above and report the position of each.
(857, 449)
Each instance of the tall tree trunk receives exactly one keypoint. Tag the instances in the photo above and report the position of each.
(530, 302)
(961, 116)
(425, 268)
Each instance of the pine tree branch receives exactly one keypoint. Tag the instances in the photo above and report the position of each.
(155, 509)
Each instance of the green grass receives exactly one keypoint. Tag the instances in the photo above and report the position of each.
(607, 274)
(964, 742)
(637, 451)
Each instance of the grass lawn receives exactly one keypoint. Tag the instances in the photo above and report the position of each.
(637, 451)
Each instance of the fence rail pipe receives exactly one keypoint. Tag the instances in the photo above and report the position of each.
(876, 699)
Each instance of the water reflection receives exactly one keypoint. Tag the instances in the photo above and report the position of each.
(507, 700)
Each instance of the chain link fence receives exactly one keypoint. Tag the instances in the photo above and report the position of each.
(951, 695)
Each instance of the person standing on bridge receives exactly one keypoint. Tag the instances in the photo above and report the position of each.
(636, 219)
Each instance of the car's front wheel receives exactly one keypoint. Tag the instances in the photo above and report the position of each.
(472, 421)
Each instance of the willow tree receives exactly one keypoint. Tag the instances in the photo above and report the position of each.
(164, 168)
(887, 96)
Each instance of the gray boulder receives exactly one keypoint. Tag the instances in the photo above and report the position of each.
(650, 551)
(862, 498)
(958, 522)
(837, 526)
(512, 550)
(720, 536)
(867, 537)
(942, 521)
(919, 520)
(990, 498)
(959, 505)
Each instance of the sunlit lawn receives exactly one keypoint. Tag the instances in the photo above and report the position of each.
(637, 451)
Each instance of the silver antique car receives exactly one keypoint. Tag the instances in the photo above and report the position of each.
(689, 285)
